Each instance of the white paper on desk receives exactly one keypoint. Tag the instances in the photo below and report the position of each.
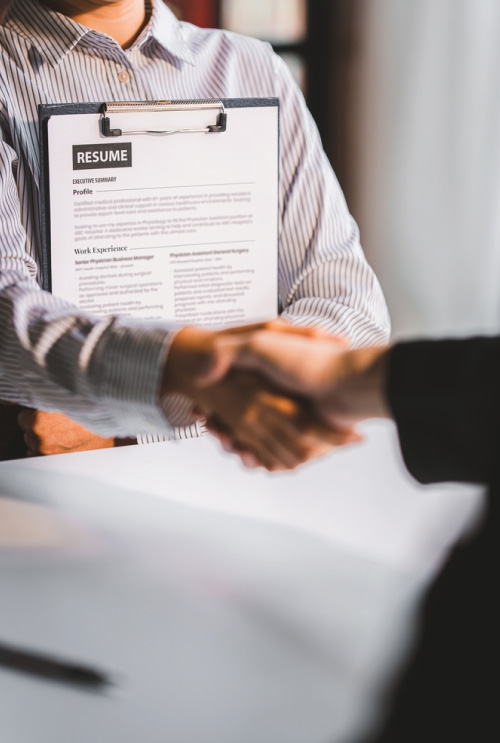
(189, 232)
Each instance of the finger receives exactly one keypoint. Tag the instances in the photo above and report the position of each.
(249, 460)
(214, 425)
(229, 443)
(278, 324)
(254, 327)
(287, 326)
(290, 453)
(271, 441)
(220, 431)
(225, 439)
(243, 346)
(284, 440)
(333, 440)
(32, 443)
(317, 429)
(223, 356)
(298, 435)
(196, 417)
(296, 364)
(288, 444)
(263, 455)
(254, 444)
(26, 419)
(313, 331)
(279, 433)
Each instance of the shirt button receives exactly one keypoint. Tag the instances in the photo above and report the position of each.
(123, 76)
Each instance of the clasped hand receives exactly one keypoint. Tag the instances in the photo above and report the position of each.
(250, 414)
(271, 393)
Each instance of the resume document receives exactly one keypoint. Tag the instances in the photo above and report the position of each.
(180, 226)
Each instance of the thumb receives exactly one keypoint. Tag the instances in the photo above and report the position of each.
(223, 356)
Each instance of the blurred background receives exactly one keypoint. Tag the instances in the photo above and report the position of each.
(406, 98)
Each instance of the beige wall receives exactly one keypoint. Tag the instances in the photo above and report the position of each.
(426, 160)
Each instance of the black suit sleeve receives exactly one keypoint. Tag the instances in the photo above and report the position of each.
(445, 398)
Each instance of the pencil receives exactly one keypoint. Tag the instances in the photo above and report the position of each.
(55, 669)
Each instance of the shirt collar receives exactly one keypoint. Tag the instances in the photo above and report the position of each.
(54, 35)
(166, 29)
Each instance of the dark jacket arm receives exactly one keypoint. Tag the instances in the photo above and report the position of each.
(445, 398)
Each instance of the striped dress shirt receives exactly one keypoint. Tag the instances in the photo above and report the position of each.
(105, 372)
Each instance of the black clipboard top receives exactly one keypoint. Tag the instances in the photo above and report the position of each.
(46, 110)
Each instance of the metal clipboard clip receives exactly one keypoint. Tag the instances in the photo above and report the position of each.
(110, 108)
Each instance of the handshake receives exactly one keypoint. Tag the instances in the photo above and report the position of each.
(276, 394)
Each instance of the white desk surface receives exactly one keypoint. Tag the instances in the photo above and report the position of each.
(236, 606)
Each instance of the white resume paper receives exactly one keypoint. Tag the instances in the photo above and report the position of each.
(182, 226)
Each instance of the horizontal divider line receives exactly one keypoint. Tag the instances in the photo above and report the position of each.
(191, 245)
(189, 185)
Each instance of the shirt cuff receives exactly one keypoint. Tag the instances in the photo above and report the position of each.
(128, 364)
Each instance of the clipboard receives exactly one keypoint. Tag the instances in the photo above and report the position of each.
(163, 209)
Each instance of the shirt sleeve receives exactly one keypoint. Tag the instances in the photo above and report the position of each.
(105, 374)
(325, 279)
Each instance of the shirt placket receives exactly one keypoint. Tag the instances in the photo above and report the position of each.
(139, 82)
(128, 82)
(120, 70)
